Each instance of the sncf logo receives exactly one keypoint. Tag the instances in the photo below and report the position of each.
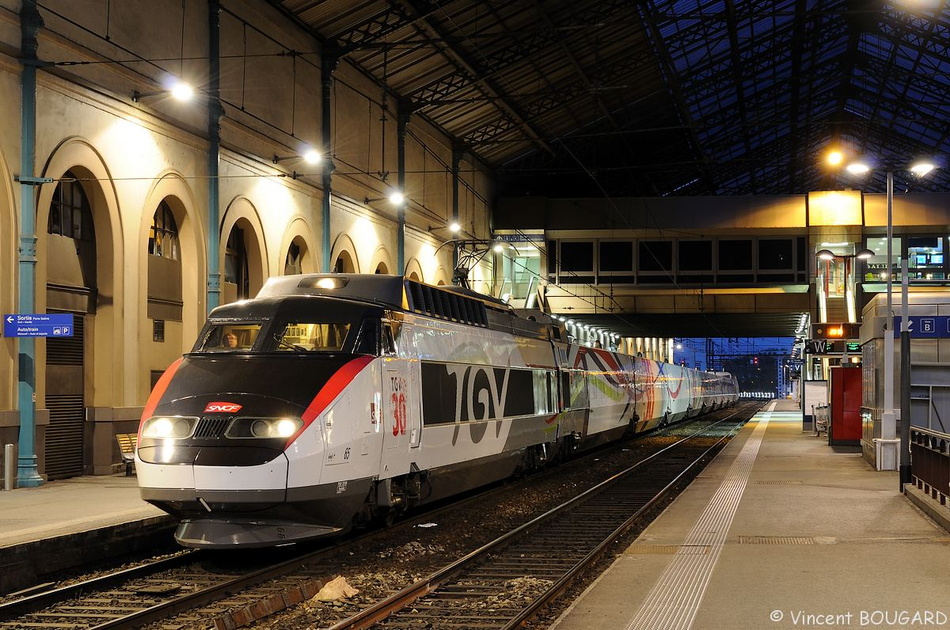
(222, 407)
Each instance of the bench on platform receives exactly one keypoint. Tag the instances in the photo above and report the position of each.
(127, 443)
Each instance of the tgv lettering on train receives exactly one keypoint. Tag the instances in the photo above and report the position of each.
(478, 395)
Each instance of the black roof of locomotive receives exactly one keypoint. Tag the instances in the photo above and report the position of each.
(396, 292)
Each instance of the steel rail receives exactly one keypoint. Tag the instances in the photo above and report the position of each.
(35, 603)
(561, 585)
(32, 603)
(400, 600)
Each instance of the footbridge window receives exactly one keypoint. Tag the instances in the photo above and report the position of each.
(652, 261)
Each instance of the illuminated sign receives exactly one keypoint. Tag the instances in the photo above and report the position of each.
(823, 346)
(38, 325)
(925, 326)
(847, 330)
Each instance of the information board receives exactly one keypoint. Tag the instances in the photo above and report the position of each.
(38, 325)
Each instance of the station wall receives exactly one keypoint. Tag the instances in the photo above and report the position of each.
(142, 289)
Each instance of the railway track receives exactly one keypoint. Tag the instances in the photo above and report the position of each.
(539, 560)
(195, 589)
(156, 590)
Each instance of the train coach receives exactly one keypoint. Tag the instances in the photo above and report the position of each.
(331, 399)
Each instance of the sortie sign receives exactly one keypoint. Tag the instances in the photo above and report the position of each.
(38, 325)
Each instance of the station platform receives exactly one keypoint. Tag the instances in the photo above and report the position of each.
(62, 524)
(779, 531)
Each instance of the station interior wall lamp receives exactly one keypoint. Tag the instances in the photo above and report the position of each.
(452, 227)
(310, 156)
(396, 198)
(180, 91)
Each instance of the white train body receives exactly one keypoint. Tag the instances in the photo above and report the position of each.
(354, 397)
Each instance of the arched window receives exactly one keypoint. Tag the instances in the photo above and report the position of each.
(69, 213)
(344, 264)
(164, 271)
(235, 263)
(381, 269)
(293, 264)
(163, 235)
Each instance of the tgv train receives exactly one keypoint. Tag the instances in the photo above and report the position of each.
(333, 399)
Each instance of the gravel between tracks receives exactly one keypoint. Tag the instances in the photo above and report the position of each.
(410, 554)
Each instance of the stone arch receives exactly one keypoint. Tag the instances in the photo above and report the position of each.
(9, 246)
(414, 270)
(297, 233)
(106, 337)
(441, 277)
(179, 336)
(193, 240)
(344, 263)
(344, 249)
(242, 215)
(381, 261)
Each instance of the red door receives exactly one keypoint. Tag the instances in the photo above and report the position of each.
(845, 406)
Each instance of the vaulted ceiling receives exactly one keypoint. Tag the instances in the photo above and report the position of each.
(661, 97)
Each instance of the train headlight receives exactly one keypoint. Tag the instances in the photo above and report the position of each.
(286, 427)
(263, 427)
(175, 427)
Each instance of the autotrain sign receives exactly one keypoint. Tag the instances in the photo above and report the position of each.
(38, 325)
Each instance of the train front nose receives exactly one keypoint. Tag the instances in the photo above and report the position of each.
(212, 468)
(221, 445)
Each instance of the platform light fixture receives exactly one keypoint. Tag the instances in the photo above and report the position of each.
(827, 254)
(834, 157)
(922, 168)
(919, 169)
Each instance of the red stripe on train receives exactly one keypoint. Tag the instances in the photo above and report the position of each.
(160, 387)
(328, 393)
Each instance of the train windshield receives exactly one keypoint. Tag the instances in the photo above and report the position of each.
(231, 337)
(284, 336)
(311, 337)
